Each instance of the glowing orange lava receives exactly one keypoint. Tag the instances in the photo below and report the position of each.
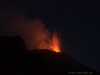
(55, 43)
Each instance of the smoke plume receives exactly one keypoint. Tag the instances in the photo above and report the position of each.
(14, 22)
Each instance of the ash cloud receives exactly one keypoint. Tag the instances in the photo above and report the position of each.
(14, 22)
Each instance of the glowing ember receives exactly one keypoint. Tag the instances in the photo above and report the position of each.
(55, 43)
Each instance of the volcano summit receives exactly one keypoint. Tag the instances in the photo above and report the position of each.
(17, 60)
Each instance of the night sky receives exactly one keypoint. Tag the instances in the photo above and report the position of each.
(78, 23)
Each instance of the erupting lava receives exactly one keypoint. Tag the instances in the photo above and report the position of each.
(55, 43)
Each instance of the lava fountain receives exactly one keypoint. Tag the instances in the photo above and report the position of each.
(55, 42)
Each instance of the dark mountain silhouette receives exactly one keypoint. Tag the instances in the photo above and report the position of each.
(15, 59)
(11, 50)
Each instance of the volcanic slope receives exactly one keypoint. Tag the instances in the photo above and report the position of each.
(15, 59)
(51, 62)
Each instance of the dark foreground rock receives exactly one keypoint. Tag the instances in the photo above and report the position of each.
(15, 59)
(11, 50)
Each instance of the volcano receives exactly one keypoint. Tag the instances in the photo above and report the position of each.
(58, 63)
(17, 60)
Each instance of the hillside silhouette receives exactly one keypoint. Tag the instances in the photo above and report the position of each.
(17, 60)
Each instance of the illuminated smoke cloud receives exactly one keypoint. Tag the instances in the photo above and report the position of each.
(13, 22)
